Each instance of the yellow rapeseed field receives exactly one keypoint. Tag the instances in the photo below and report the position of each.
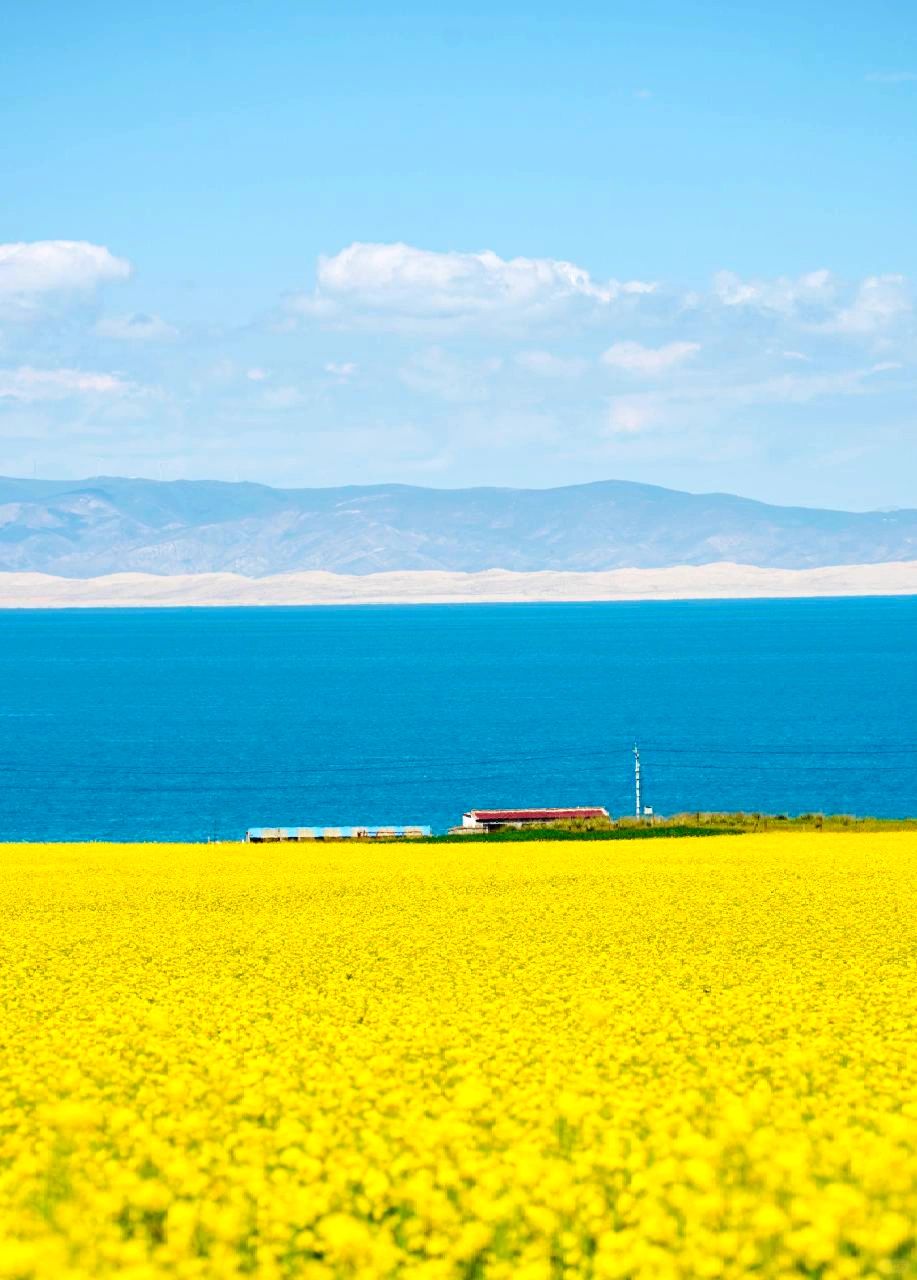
(649, 1059)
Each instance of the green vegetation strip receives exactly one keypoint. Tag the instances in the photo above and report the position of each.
(683, 824)
(560, 833)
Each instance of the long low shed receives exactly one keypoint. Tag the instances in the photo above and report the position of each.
(491, 819)
(261, 835)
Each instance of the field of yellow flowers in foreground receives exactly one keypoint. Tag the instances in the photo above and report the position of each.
(674, 1058)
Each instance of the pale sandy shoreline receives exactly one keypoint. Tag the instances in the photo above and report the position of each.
(685, 582)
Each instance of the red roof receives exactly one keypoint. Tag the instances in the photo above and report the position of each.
(535, 815)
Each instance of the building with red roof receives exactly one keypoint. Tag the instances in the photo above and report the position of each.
(492, 819)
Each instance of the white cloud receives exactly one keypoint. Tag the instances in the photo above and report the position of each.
(818, 301)
(257, 375)
(798, 388)
(136, 327)
(346, 369)
(547, 365)
(783, 295)
(633, 357)
(26, 384)
(400, 281)
(697, 404)
(879, 302)
(45, 266)
(631, 415)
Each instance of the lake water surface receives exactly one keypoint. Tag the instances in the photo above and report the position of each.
(191, 723)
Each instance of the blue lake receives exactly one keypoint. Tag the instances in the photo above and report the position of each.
(172, 724)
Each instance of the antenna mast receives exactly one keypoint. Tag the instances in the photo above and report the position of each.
(637, 778)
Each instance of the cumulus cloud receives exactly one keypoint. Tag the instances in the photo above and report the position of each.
(647, 362)
(136, 327)
(403, 282)
(784, 295)
(817, 300)
(26, 384)
(342, 371)
(45, 266)
(879, 302)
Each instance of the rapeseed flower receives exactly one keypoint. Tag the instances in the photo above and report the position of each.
(625, 1060)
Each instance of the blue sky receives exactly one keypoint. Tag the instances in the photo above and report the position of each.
(308, 243)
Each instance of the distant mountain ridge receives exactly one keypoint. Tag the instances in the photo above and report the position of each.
(82, 529)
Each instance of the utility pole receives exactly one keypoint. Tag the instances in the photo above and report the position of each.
(637, 778)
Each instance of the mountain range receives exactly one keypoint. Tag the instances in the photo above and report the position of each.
(85, 528)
